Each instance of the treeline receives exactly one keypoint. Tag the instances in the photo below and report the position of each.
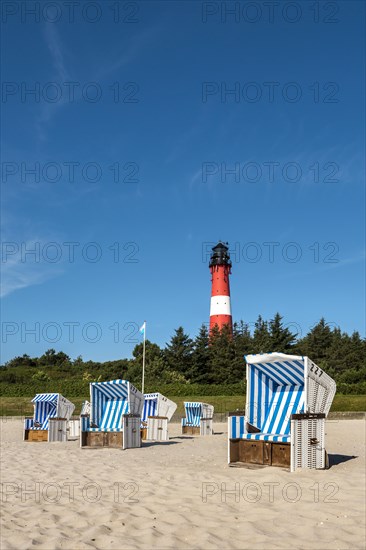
(218, 364)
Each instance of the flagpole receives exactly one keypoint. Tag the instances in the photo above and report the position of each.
(143, 360)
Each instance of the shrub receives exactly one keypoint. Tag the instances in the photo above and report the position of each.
(40, 376)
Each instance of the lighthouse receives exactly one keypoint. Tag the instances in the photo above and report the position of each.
(220, 268)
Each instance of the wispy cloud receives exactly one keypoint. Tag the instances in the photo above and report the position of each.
(357, 258)
(195, 177)
(109, 63)
(128, 52)
(328, 266)
(19, 270)
(60, 75)
(55, 47)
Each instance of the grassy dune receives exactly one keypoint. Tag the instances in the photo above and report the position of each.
(21, 406)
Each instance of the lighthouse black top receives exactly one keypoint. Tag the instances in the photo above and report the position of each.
(220, 255)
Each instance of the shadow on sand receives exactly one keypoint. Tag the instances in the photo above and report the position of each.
(338, 459)
(154, 443)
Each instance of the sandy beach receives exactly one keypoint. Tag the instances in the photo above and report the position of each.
(179, 494)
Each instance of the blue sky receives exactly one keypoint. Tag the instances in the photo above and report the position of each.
(140, 243)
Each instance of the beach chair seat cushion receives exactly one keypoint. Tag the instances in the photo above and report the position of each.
(280, 438)
(196, 423)
(104, 429)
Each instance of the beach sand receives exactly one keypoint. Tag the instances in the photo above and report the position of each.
(179, 494)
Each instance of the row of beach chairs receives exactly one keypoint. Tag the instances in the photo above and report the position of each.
(288, 398)
(115, 408)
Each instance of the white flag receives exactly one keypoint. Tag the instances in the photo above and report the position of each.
(143, 328)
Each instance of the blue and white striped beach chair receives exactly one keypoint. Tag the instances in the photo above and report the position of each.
(115, 411)
(156, 404)
(286, 394)
(157, 412)
(199, 418)
(46, 406)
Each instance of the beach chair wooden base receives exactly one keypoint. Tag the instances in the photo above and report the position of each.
(102, 439)
(127, 438)
(191, 430)
(143, 434)
(281, 454)
(36, 435)
(263, 453)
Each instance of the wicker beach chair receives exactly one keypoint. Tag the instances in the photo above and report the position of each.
(115, 416)
(288, 399)
(52, 413)
(157, 412)
(199, 418)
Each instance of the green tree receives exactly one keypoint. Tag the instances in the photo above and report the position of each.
(22, 361)
(281, 338)
(178, 353)
(261, 336)
(153, 363)
(151, 352)
(222, 355)
(346, 354)
(200, 370)
(51, 358)
(318, 341)
(78, 362)
(243, 339)
(243, 343)
(215, 358)
(109, 370)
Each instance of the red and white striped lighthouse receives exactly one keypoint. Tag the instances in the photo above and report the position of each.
(220, 267)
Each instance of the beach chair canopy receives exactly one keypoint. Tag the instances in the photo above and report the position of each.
(279, 385)
(109, 401)
(50, 405)
(156, 404)
(197, 410)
